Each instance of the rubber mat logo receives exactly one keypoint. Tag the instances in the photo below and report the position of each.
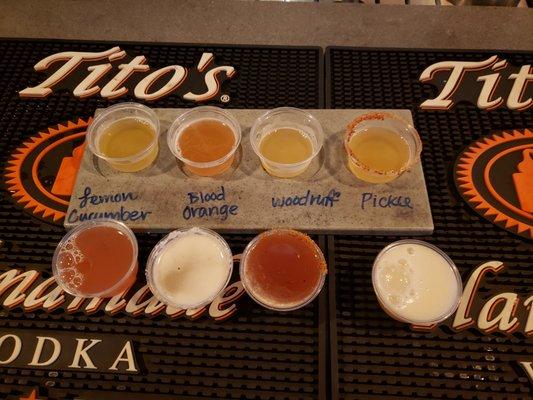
(48, 296)
(81, 73)
(68, 351)
(490, 84)
(41, 173)
(495, 177)
(505, 312)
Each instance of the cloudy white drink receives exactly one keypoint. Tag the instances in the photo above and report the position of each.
(416, 282)
(188, 268)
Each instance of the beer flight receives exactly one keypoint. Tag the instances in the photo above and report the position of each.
(281, 269)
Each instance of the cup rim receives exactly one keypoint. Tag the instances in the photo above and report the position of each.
(178, 126)
(352, 130)
(154, 255)
(293, 110)
(250, 291)
(101, 117)
(452, 266)
(89, 225)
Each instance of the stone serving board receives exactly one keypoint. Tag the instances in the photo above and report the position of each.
(164, 197)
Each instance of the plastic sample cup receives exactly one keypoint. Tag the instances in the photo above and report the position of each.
(283, 269)
(188, 268)
(205, 139)
(416, 282)
(125, 136)
(96, 259)
(286, 140)
(381, 146)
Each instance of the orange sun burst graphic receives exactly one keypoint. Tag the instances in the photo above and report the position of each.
(470, 187)
(19, 167)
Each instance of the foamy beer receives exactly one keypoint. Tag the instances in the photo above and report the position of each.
(416, 282)
(96, 259)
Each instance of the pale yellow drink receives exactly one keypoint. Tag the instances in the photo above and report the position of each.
(130, 139)
(380, 155)
(286, 146)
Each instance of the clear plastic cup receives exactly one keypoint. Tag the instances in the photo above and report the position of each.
(390, 122)
(211, 168)
(188, 268)
(416, 282)
(97, 258)
(286, 117)
(119, 113)
(269, 283)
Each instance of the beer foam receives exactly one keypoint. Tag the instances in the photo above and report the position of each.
(396, 280)
(416, 283)
(69, 258)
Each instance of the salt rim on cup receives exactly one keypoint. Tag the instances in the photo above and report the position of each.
(394, 123)
(262, 301)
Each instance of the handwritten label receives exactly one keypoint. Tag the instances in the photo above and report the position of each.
(121, 213)
(201, 205)
(308, 199)
(371, 200)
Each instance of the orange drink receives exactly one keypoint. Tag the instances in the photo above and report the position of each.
(283, 269)
(96, 259)
(205, 140)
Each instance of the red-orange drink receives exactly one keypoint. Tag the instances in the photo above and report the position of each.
(205, 140)
(283, 269)
(96, 259)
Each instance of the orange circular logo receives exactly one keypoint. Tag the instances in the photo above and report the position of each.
(41, 172)
(495, 176)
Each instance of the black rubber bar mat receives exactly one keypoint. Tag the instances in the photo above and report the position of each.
(255, 354)
(373, 356)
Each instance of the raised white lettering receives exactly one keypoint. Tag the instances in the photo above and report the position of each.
(212, 83)
(81, 352)
(458, 68)
(521, 80)
(505, 320)
(528, 303)
(73, 60)
(114, 88)
(11, 278)
(39, 349)
(126, 355)
(462, 319)
(178, 76)
(36, 298)
(17, 346)
(527, 366)
(88, 87)
(224, 305)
